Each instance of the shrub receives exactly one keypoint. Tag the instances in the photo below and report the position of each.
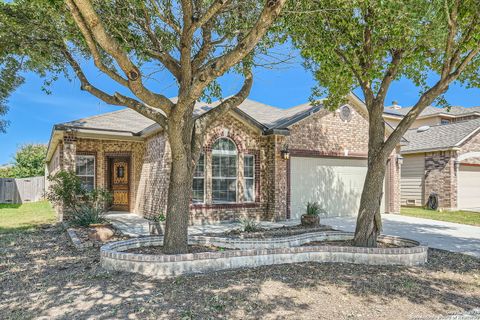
(81, 206)
(65, 189)
(86, 215)
(249, 225)
(313, 209)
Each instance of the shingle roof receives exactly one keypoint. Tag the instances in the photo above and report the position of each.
(127, 120)
(440, 136)
(431, 110)
(124, 120)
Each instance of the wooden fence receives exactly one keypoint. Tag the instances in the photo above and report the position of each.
(22, 190)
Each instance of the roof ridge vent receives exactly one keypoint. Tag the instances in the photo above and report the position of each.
(423, 128)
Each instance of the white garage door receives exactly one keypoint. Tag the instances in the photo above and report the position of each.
(336, 184)
(468, 187)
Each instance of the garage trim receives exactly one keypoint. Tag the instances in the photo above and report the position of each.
(314, 154)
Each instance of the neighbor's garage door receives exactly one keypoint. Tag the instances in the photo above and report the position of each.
(468, 187)
(336, 184)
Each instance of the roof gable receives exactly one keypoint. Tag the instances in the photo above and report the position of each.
(440, 137)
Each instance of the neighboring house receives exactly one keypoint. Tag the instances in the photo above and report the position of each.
(445, 159)
(259, 161)
(431, 116)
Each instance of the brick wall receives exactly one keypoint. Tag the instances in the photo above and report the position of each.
(325, 134)
(469, 147)
(441, 177)
(153, 188)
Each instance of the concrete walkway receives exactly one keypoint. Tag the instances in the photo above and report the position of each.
(436, 234)
(135, 226)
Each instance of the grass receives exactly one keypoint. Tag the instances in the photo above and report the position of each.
(464, 217)
(17, 217)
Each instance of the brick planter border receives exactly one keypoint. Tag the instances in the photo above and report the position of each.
(256, 252)
(76, 242)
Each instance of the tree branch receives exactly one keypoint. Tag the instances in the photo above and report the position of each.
(390, 74)
(92, 46)
(218, 66)
(110, 45)
(211, 12)
(116, 99)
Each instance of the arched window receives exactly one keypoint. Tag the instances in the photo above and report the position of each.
(224, 171)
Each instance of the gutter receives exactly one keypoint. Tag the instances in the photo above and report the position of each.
(430, 150)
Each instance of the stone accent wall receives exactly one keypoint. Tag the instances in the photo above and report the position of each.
(441, 177)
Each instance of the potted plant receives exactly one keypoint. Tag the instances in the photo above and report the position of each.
(156, 224)
(311, 217)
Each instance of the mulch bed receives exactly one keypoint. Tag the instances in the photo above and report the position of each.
(43, 277)
(274, 233)
(345, 243)
(191, 249)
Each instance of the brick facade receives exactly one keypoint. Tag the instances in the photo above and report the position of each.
(322, 134)
(441, 171)
(441, 177)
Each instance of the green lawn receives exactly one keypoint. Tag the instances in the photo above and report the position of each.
(15, 217)
(465, 217)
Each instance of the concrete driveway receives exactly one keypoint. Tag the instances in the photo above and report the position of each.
(436, 234)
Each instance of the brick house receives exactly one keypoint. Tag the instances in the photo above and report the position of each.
(444, 159)
(259, 161)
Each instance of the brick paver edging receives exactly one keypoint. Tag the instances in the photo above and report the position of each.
(77, 243)
(256, 252)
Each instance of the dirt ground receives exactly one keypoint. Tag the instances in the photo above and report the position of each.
(43, 277)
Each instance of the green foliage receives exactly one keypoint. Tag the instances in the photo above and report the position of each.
(159, 218)
(29, 161)
(82, 207)
(313, 209)
(33, 34)
(87, 215)
(9, 81)
(350, 44)
(64, 190)
(249, 225)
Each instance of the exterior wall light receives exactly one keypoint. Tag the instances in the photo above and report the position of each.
(285, 153)
(399, 160)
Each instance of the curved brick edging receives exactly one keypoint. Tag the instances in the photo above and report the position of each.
(254, 253)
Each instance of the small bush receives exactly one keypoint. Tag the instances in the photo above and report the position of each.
(87, 215)
(249, 225)
(313, 209)
(82, 207)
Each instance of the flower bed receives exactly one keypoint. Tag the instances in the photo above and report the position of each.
(256, 252)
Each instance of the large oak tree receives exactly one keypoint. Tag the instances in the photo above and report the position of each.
(197, 41)
(369, 44)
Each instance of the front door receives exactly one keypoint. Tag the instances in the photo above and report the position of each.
(119, 183)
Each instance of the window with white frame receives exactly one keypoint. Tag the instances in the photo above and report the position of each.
(85, 170)
(198, 192)
(224, 171)
(249, 177)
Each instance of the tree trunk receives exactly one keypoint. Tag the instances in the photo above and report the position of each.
(369, 222)
(179, 192)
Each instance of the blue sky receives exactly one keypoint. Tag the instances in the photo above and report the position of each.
(33, 113)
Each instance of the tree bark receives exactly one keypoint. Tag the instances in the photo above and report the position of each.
(369, 222)
(179, 191)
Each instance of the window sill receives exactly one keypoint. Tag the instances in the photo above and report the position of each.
(225, 205)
